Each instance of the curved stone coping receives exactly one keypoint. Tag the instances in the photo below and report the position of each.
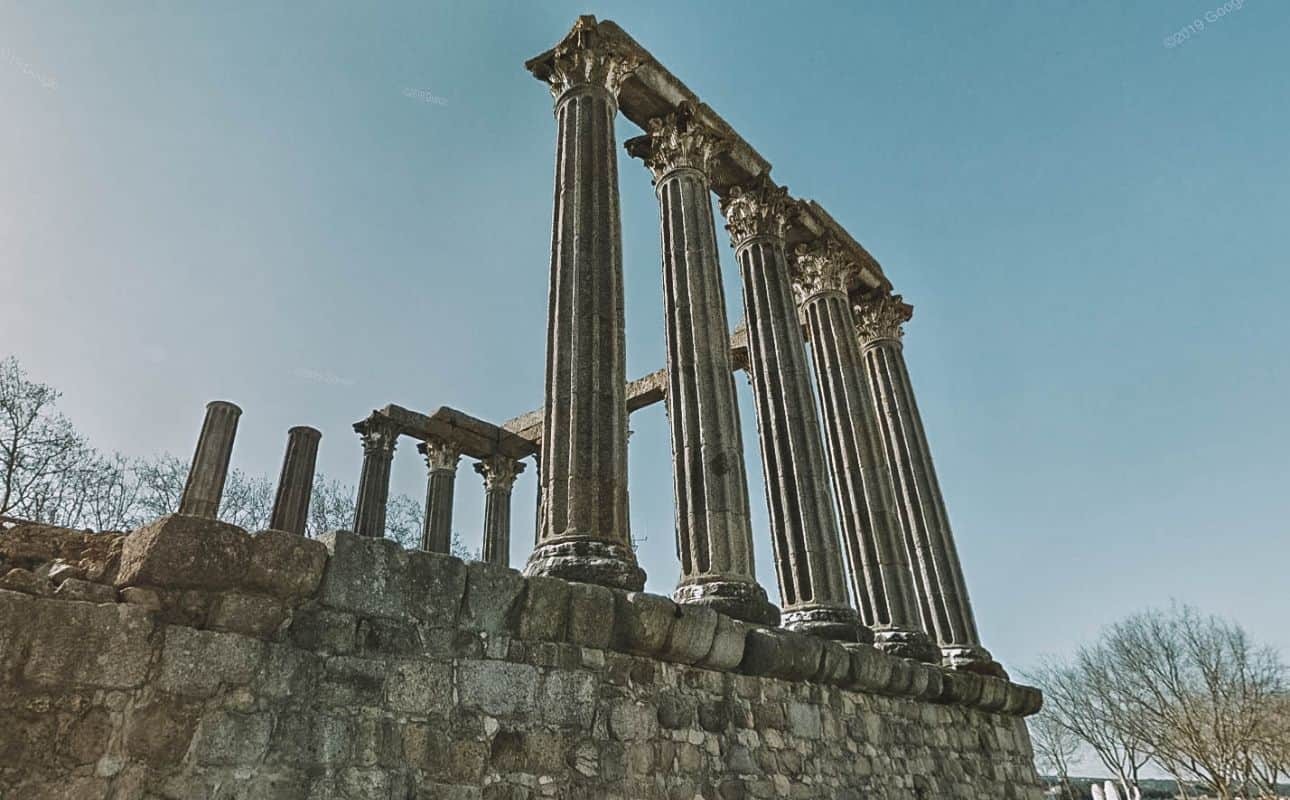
(377, 577)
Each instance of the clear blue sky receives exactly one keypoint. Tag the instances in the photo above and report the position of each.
(227, 201)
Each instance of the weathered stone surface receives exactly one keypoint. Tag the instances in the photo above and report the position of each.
(76, 589)
(436, 586)
(494, 597)
(183, 552)
(546, 610)
(727, 645)
(251, 614)
(27, 582)
(75, 645)
(691, 636)
(29, 545)
(198, 663)
(591, 615)
(365, 575)
(497, 688)
(285, 565)
(642, 622)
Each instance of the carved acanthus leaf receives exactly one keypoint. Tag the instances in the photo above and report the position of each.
(759, 209)
(586, 57)
(819, 267)
(499, 472)
(881, 318)
(441, 455)
(676, 141)
(378, 433)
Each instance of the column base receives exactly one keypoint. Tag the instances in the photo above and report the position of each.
(906, 643)
(588, 561)
(971, 658)
(827, 622)
(738, 599)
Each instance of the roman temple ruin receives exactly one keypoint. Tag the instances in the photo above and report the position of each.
(192, 659)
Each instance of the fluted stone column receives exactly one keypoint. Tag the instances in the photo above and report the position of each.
(441, 460)
(710, 484)
(804, 529)
(939, 583)
(296, 481)
(205, 485)
(499, 473)
(584, 533)
(379, 438)
(880, 572)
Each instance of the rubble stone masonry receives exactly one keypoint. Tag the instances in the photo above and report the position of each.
(192, 660)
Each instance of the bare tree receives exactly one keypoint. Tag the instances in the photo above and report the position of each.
(1055, 746)
(38, 447)
(1081, 699)
(1195, 689)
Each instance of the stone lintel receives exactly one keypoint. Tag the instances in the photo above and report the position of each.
(473, 436)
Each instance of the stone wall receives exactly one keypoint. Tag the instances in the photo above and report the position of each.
(223, 665)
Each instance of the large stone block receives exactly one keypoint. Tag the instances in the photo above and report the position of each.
(256, 615)
(436, 586)
(546, 610)
(497, 687)
(365, 575)
(70, 645)
(690, 638)
(198, 663)
(727, 649)
(493, 599)
(419, 687)
(642, 622)
(233, 739)
(591, 615)
(183, 552)
(285, 565)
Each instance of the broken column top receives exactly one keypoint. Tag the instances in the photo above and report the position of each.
(651, 91)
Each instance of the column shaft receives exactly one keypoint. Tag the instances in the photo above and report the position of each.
(379, 439)
(296, 481)
(441, 459)
(710, 483)
(584, 529)
(939, 583)
(206, 476)
(880, 571)
(804, 528)
(499, 473)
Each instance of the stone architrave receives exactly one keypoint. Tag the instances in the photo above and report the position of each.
(379, 438)
(584, 533)
(296, 481)
(205, 486)
(713, 527)
(804, 528)
(499, 473)
(939, 583)
(880, 571)
(441, 461)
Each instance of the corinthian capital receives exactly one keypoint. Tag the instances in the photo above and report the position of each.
(585, 57)
(441, 455)
(881, 318)
(758, 209)
(819, 267)
(499, 472)
(676, 141)
(378, 433)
